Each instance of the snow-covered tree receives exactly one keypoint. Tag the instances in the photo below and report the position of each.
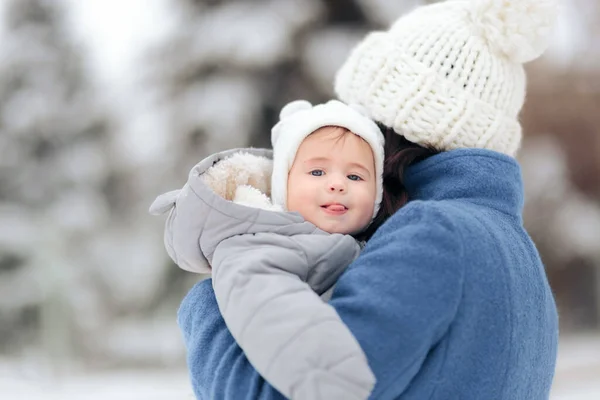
(73, 250)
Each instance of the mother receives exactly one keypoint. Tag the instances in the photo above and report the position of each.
(449, 299)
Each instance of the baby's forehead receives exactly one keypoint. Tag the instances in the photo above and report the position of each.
(335, 140)
(335, 134)
(334, 151)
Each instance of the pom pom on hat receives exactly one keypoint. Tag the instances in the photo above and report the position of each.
(517, 29)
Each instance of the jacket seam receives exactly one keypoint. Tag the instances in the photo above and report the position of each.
(327, 368)
(460, 301)
(513, 216)
(303, 251)
(324, 256)
(510, 320)
(257, 311)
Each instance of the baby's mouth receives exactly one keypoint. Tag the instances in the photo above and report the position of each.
(335, 208)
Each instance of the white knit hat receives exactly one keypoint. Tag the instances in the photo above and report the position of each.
(450, 74)
(299, 119)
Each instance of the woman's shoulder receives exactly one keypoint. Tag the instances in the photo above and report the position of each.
(419, 228)
(426, 214)
(449, 226)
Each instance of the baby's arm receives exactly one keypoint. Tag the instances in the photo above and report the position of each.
(295, 341)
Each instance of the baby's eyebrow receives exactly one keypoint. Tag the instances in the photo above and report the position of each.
(315, 160)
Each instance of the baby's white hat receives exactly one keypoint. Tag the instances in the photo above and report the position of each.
(299, 119)
(450, 74)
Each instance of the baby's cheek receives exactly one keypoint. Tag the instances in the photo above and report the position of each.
(300, 204)
(362, 223)
(295, 203)
(367, 212)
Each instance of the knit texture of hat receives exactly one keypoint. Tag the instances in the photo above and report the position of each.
(299, 119)
(450, 75)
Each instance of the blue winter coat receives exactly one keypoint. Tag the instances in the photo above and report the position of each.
(449, 299)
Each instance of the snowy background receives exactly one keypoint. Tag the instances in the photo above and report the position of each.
(106, 103)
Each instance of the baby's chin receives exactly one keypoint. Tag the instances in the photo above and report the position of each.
(337, 228)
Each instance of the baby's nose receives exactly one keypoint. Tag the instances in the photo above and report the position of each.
(337, 186)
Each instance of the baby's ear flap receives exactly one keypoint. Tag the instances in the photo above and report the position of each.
(288, 110)
(294, 107)
(165, 202)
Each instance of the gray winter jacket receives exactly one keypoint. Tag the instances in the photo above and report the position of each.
(268, 270)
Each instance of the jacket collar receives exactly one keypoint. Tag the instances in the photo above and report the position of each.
(478, 176)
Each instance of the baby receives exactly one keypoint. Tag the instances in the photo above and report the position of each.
(328, 163)
(271, 257)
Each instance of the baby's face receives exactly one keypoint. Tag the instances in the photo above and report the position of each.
(332, 182)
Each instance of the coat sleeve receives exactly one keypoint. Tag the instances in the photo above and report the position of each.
(398, 299)
(297, 342)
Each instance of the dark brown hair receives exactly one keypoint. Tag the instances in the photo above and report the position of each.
(399, 154)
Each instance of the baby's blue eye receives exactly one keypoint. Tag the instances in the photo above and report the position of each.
(317, 172)
(354, 178)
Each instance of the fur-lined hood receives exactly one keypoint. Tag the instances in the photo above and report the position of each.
(226, 194)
